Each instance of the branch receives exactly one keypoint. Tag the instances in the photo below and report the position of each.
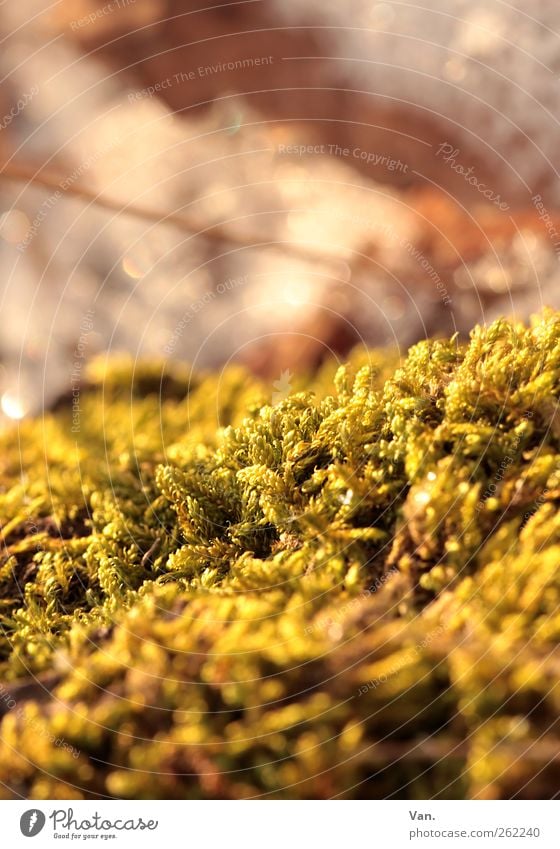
(17, 172)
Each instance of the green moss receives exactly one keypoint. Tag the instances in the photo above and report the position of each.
(351, 593)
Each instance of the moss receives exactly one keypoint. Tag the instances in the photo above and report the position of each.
(353, 592)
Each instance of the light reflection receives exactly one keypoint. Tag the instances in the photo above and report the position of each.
(132, 268)
(297, 293)
(454, 70)
(382, 15)
(12, 405)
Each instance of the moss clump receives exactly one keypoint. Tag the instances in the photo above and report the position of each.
(352, 593)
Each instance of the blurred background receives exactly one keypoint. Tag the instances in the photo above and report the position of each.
(267, 181)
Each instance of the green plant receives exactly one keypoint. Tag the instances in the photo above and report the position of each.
(353, 593)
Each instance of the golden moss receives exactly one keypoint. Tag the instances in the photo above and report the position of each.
(351, 593)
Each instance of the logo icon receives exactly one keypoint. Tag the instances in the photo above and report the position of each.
(282, 387)
(32, 822)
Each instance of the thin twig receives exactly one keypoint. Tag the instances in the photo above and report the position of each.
(18, 172)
